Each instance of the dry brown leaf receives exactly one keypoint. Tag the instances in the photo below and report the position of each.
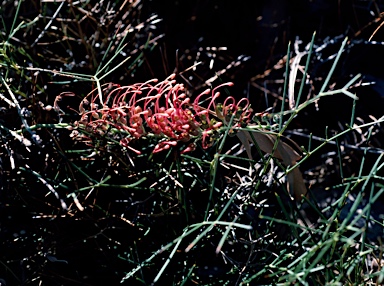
(283, 152)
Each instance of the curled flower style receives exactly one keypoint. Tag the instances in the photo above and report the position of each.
(160, 109)
(238, 114)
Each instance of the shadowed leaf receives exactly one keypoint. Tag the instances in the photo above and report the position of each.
(283, 151)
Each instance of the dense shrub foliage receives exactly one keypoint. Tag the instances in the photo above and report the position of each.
(196, 143)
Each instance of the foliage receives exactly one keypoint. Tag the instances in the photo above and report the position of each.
(110, 176)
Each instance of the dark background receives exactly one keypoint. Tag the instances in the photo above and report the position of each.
(261, 29)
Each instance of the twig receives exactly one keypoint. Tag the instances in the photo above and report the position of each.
(48, 25)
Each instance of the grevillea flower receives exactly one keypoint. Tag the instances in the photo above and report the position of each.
(159, 109)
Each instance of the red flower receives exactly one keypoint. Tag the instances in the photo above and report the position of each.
(161, 109)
